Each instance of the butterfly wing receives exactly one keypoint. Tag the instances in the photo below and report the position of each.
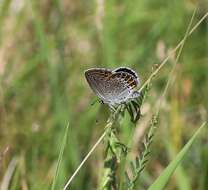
(96, 80)
(125, 86)
(129, 71)
(112, 87)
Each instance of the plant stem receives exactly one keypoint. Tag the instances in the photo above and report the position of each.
(86, 157)
(113, 152)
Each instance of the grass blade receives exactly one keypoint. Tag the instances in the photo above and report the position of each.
(60, 157)
(163, 179)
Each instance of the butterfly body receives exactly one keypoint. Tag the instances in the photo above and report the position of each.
(113, 87)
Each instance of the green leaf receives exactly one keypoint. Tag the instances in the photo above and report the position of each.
(63, 144)
(163, 179)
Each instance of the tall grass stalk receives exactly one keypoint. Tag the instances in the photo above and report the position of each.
(175, 63)
(87, 156)
(140, 163)
(180, 44)
(172, 52)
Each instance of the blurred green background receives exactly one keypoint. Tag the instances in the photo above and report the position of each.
(46, 45)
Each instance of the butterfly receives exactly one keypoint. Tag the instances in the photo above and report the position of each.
(113, 87)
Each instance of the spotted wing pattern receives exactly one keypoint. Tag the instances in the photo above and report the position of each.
(128, 70)
(113, 87)
(96, 80)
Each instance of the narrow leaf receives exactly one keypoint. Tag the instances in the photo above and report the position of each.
(60, 157)
(163, 179)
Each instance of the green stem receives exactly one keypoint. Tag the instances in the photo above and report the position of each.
(110, 164)
(113, 152)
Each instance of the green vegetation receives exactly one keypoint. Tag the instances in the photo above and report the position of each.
(47, 122)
